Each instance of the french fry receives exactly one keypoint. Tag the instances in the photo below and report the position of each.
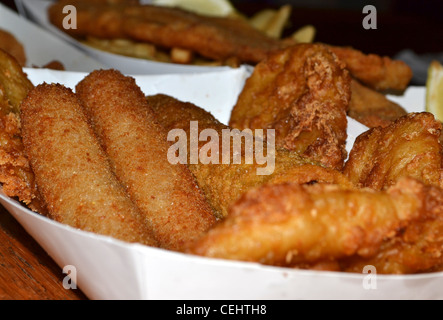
(183, 56)
(124, 47)
(261, 19)
(276, 25)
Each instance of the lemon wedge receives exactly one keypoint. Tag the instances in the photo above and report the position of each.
(305, 34)
(215, 8)
(434, 90)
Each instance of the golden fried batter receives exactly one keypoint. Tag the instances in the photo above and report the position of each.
(225, 183)
(11, 45)
(417, 248)
(409, 147)
(211, 37)
(289, 224)
(372, 108)
(16, 176)
(72, 171)
(303, 93)
(379, 73)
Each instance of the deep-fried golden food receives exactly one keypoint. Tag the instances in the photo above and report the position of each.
(72, 171)
(289, 224)
(409, 147)
(372, 108)
(167, 194)
(15, 83)
(380, 73)
(418, 248)
(11, 45)
(16, 176)
(303, 93)
(225, 183)
(211, 37)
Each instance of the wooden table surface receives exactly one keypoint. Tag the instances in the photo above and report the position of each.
(27, 272)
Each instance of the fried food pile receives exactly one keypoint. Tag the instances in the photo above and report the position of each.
(97, 157)
(16, 176)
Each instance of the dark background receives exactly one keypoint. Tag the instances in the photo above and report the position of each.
(401, 24)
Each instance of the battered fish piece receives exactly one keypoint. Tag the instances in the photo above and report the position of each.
(16, 176)
(222, 183)
(372, 108)
(302, 92)
(290, 224)
(409, 147)
(211, 37)
(379, 73)
(167, 194)
(72, 171)
(418, 248)
(10, 44)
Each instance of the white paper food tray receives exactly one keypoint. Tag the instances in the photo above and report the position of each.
(42, 47)
(110, 269)
(36, 10)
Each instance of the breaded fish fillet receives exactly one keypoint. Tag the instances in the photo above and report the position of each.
(418, 248)
(72, 171)
(225, 183)
(167, 194)
(289, 224)
(372, 108)
(379, 73)
(303, 93)
(16, 176)
(10, 44)
(211, 37)
(409, 147)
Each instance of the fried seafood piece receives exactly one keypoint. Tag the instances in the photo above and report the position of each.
(289, 224)
(14, 82)
(166, 193)
(409, 147)
(72, 171)
(418, 247)
(379, 73)
(211, 37)
(372, 108)
(223, 183)
(302, 92)
(10, 44)
(16, 176)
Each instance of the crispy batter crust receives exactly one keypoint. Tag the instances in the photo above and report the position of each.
(409, 147)
(372, 108)
(16, 175)
(211, 37)
(379, 73)
(303, 93)
(290, 224)
(225, 183)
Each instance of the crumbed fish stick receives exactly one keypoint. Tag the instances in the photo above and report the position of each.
(72, 171)
(225, 183)
(166, 193)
